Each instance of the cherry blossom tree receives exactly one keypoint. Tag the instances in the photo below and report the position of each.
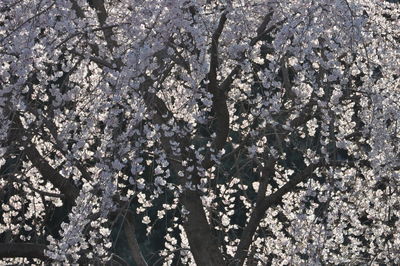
(244, 132)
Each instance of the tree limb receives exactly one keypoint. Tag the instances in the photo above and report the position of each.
(203, 244)
(129, 229)
(219, 105)
(22, 250)
(264, 204)
(212, 75)
(102, 17)
(50, 174)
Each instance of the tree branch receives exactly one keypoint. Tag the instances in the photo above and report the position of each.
(203, 244)
(219, 105)
(65, 186)
(212, 75)
(36, 251)
(49, 173)
(264, 34)
(22, 250)
(267, 18)
(129, 229)
(97, 60)
(102, 17)
(263, 204)
(78, 10)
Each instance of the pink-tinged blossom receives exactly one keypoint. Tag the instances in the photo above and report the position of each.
(239, 132)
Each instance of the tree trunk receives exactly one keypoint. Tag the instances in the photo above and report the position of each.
(203, 243)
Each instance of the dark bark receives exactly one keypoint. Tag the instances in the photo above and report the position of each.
(25, 250)
(203, 244)
(66, 187)
(136, 253)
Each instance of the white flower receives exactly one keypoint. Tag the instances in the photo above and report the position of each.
(146, 220)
